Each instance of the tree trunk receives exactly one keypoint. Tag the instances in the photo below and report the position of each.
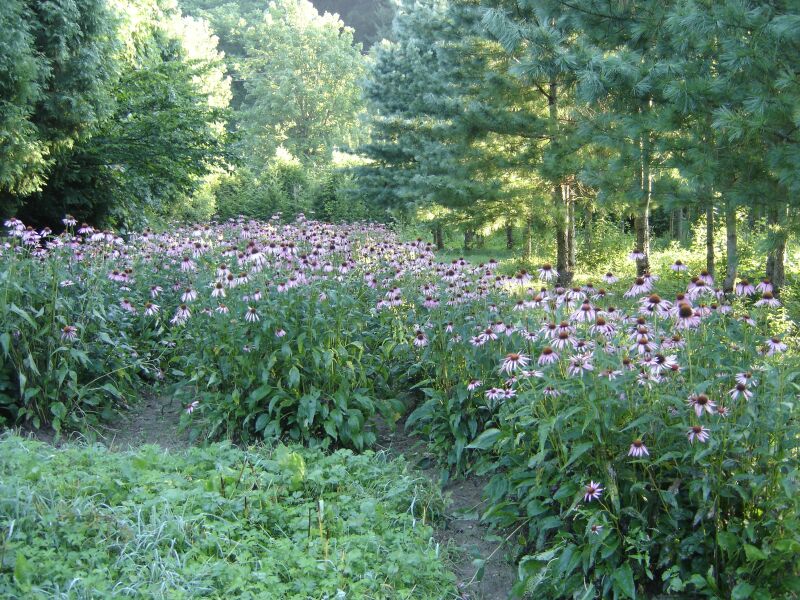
(509, 235)
(438, 236)
(731, 247)
(776, 268)
(562, 238)
(570, 228)
(480, 240)
(469, 235)
(588, 225)
(528, 238)
(641, 222)
(710, 236)
(560, 196)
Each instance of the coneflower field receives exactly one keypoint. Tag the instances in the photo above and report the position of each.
(639, 435)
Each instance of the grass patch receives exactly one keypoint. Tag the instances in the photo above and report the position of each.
(85, 522)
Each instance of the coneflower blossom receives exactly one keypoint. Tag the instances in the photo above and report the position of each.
(740, 389)
(592, 492)
(189, 295)
(251, 316)
(640, 286)
(495, 393)
(636, 255)
(222, 309)
(638, 449)
(514, 361)
(69, 333)
(547, 272)
(775, 346)
(155, 291)
(745, 378)
(610, 278)
(706, 277)
(585, 314)
(182, 314)
(701, 403)
(744, 288)
(687, 317)
(218, 290)
(420, 339)
(150, 309)
(190, 408)
(578, 365)
(596, 529)
(279, 333)
(655, 304)
(699, 433)
(474, 384)
(127, 305)
(768, 299)
(764, 286)
(548, 356)
(678, 266)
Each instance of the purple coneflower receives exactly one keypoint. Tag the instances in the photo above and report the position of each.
(592, 492)
(638, 449)
(701, 403)
(740, 389)
(744, 288)
(251, 316)
(420, 339)
(678, 266)
(548, 356)
(189, 295)
(636, 255)
(764, 286)
(190, 408)
(495, 393)
(610, 278)
(547, 272)
(150, 309)
(745, 378)
(687, 318)
(474, 384)
(768, 299)
(279, 333)
(596, 529)
(513, 361)
(69, 333)
(699, 433)
(775, 346)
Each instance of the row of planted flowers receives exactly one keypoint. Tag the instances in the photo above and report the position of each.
(641, 437)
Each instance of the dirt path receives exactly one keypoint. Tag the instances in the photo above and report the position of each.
(153, 420)
(463, 529)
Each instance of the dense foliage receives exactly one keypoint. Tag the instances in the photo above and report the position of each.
(108, 109)
(494, 113)
(642, 437)
(214, 522)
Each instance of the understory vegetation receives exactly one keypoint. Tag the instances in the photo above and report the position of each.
(286, 522)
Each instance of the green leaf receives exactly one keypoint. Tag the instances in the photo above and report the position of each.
(578, 451)
(5, 342)
(754, 553)
(742, 591)
(623, 581)
(294, 377)
(22, 570)
(261, 421)
(485, 440)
